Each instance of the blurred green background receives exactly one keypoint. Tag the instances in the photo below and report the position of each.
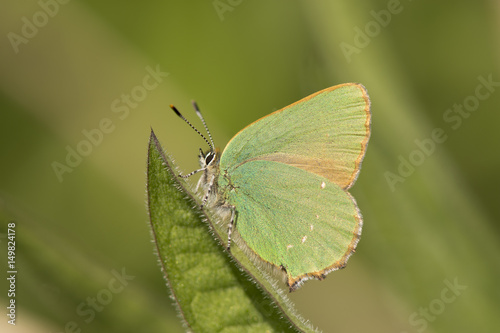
(428, 259)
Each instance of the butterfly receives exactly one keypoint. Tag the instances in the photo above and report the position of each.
(282, 182)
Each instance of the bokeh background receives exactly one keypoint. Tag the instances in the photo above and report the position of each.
(428, 260)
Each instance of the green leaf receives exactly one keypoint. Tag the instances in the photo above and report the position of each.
(214, 291)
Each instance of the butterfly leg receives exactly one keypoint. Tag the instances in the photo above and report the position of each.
(209, 191)
(203, 168)
(230, 227)
(191, 173)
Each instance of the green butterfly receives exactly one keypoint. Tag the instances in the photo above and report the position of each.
(282, 182)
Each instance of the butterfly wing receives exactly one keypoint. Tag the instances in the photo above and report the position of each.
(294, 219)
(325, 134)
(287, 175)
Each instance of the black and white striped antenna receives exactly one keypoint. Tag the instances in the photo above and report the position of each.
(209, 143)
(198, 113)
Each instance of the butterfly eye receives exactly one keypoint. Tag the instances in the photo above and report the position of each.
(209, 157)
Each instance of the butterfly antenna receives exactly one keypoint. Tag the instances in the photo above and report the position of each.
(187, 122)
(198, 113)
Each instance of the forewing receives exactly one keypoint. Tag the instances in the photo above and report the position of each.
(325, 134)
(293, 218)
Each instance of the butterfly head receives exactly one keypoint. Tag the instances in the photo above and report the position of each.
(209, 159)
